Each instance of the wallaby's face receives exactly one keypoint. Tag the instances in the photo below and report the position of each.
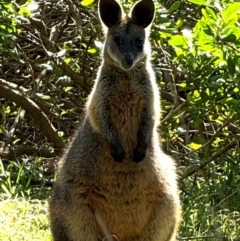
(126, 42)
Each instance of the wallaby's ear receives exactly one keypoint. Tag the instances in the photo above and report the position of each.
(110, 12)
(142, 13)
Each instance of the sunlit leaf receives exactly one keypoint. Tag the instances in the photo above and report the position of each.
(92, 51)
(200, 2)
(232, 11)
(86, 2)
(183, 85)
(67, 60)
(196, 93)
(179, 22)
(211, 13)
(194, 146)
(68, 88)
(236, 89)
(178, 40)
(24, 11)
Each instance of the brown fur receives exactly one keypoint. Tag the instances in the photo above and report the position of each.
(114, 180)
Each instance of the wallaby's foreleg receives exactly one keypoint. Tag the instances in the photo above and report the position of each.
(144, 136)
(110, 134)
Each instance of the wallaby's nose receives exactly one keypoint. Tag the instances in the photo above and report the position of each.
(127, 61)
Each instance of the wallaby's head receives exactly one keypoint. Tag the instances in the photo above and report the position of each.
(126, 39)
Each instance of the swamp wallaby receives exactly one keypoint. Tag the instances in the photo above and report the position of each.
(114, 182)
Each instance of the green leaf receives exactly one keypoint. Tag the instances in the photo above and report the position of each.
(229, 99)
(196, 93)
(92, 51)
(24, 12)
(194, 146)
(231, 65)
(179, 22)
(230, 39)
(178, 40)
(174, 6)
(211, 13)
(68, 88)
(44, 97)
(64, 112)
(200, 2)
(86, 2)
(231, 11)
(183, 84)
(208, 31)
(226, 31)
(68, 60)
(236, 89)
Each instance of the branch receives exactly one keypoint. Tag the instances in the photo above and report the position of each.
(20, 98)
(169, 97)
(219, 130)
(29, 151)
(210, 159)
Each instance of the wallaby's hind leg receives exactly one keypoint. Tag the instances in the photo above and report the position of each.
(58, 231)
(164, 222)
(72, 219)
(79, 222)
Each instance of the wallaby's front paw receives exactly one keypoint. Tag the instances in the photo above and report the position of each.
(117, 153)
(139, 154)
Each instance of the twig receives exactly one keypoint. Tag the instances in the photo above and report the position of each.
(227, 198)
(174, 111)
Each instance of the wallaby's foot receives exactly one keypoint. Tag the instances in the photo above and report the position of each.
(117, 152)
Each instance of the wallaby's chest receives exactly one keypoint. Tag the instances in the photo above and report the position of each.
(126, 105)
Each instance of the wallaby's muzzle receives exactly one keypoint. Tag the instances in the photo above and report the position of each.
(127, 61)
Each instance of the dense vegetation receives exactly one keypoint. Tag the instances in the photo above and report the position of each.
(50, 51)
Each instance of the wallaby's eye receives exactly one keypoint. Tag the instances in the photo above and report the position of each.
(138, 43)
(116, 39)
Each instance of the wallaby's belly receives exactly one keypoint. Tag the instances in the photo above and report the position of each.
(125, 202)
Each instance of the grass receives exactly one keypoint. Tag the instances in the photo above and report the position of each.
(211, 210)
(22, 219)
(23, 202)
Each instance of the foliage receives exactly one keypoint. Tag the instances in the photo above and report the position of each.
(8, 26)
(50, 54)
(23, 179)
